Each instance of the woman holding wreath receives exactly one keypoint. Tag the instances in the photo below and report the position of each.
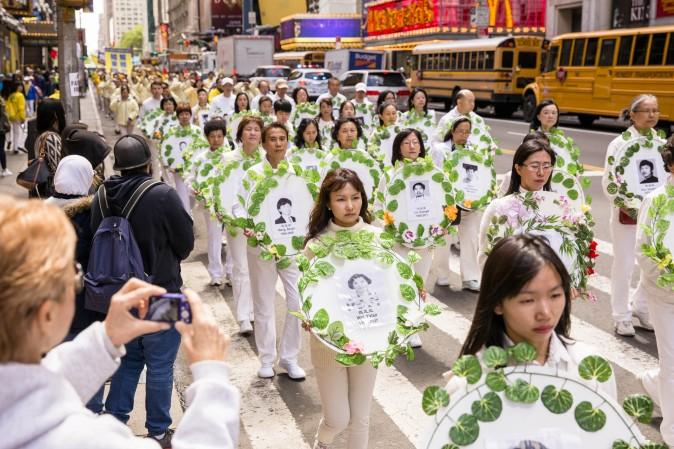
(346, 392)
(643, 115)
(658, 383)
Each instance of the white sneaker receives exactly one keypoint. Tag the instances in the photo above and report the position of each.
(644, 320)
(649, 381)
(624, 328)
(6, 172)
(245, 328)
(415, 340)
(266, 372)
(295, 372)
(473, 286)
(442, 282)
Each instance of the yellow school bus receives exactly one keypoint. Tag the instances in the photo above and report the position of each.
(496, 69)
(596, 74)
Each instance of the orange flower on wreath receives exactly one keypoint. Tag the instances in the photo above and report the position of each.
(451, 212)
(388, 218)
(468, 203)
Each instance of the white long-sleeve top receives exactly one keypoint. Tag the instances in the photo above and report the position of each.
(42, 405)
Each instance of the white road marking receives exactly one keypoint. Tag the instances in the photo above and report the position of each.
(260, 398)
(566, 128)
(517, 134)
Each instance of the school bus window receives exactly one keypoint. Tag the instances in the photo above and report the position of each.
(551, 63)
(670, 50)
(640, 49)
(607, 51)
(526, 60)
(489, 60)
(591, 52)
(625, 50)
(578, 49)
(462, 60)
(480, 60)
(473, 60)
(452, 61)
(444, 61)
(657, 49)
(566, 53)
(507, 59)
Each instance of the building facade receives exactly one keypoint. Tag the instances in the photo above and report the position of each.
(124, 15)
(183, 17)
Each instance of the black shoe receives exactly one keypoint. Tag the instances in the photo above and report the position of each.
(165, 441)
(22, 149)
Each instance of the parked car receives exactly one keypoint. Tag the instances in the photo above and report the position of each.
(376, 81)
(315, 81)
(271, 73)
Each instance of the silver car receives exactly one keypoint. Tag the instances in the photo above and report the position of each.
(315, 81)
(271, 74)
(376, 81)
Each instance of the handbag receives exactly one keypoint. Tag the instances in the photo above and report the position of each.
(35, 174)
(626, 219)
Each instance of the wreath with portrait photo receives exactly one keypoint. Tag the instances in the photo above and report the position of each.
(461, 160)
(365, 166)
(176, 144)
(660, 236)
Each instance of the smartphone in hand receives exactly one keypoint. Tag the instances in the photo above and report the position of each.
(169, 308)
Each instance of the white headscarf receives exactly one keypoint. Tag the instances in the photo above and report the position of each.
(74, 176)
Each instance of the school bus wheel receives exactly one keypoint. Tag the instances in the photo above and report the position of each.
(529, 106)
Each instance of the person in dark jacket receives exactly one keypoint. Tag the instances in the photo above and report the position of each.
(164, 234)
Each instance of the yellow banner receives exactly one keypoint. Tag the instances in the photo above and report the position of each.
(118, 60)
(272, 11)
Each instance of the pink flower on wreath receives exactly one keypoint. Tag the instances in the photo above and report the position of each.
(248, 232)
(353, 347)
(408, 236)
(436, 231)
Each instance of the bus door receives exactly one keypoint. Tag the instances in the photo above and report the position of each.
(604, 73)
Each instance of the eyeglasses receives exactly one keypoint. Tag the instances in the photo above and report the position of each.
(535, 167)
(412, 143)
(648, 111)
(79, 278)
(462, 132)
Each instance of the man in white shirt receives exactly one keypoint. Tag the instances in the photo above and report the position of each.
(154, 101)
(282, 93)
(465, 103)
(263, 87)
(364, 107)
(333, 94)
(223, 105)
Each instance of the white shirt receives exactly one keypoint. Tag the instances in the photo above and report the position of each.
(149, 105)
(337, 101)
(222, 106)
(288, 98)
(255, 102)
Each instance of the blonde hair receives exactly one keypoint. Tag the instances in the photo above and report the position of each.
(37, 246)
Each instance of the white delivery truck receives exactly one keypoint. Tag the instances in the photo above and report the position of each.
(340, 61)
(241, 55)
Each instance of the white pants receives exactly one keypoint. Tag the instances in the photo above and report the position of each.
(237, 253)
(184, 193)
(126, 129)
(214, 229)
(18, 136)
(659, 383)
(624, 239)
(469, 229)
(156, 166)
(423, 267)
(346, 400)
(440, 264)
(263, 275)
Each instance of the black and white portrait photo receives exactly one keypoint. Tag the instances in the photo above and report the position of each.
(285, 210)
(363, 302)
(470, 173)
(647, 172)
(182, 146)
(420, 197)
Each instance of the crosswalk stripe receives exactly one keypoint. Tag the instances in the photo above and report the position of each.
(604, 247)
(260, 398)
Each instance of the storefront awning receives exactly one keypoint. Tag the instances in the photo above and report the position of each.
(11, 22)
(405, 46)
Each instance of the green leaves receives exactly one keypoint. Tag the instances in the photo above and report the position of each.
(468, 366)
(407, 292)
(495, 357)
(392, 206)
(321, 319)
(523, 352)
(404, 270)
(324, 269)
(488, 408)
(588, 418)
(496, 381)
(465, 431)
(335, 333)
(595, 368)
(640, 407)
(433, 399)
(522, 391)
(558, 401)
(351, 359)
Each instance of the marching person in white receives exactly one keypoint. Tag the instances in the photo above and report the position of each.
(201, 111)
(418, 116)
(263, 276)
(333, 95)
(184, 119)
(248, 152)
(643, 114)
(222, 104)
(263, 87)
(365, 109)
(658, 383)
(282, 93)
(153, 102)
(346, 392)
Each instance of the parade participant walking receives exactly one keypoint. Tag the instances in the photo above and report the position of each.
(303, 108)
(326, 122)
(241, 110)
(307, 151)
(336, 99)
(381, 142)
(465, 106)
(643, 115)
(125, 110)
(282, 93)
(42, 396)
(5, 127)
(282, 111)
(201, 111)
(263, 277)
(527, 299)
(346, 392)
(266, 110)
(658, 383)
(222, 105)
(152, 103)
(418, 116)
(164, 234)
(365, 109)
(263, 87)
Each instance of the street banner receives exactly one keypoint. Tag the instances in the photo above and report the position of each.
(118, 60)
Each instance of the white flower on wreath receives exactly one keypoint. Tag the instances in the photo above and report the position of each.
(408, 236)
(632, 203)
(436, 231)
(414, 318)
(259, 235)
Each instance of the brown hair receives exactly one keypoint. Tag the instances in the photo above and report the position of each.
(321, 214)
(183, 107)
(32, 265)
(245, 121)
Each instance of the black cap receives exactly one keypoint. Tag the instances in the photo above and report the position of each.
(131, 151)
(85, 143)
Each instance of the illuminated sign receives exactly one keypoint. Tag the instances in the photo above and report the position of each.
(401, 15)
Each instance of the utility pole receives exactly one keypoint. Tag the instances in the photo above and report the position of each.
(69, 64)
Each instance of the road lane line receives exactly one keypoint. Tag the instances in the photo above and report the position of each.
(268, 422)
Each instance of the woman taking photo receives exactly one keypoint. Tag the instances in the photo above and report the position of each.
(527, 300)
(643, 115)
(16, 112)
(51, 120)
(346, 392)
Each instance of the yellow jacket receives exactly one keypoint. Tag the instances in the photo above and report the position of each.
(16, 107)
(124, 111)
(214, 92)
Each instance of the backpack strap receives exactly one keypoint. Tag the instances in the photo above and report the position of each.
(103, 201)
(140, 191)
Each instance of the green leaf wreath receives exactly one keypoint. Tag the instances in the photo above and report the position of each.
(206, 171)
(224, 171)
(363, 245)
(338, 157)
(660, 216)
(149, 122)
(302, 111)
(452, 168)
(502, 378)
(421, 236)
(172, 157)
(381, 134)
(630, 145)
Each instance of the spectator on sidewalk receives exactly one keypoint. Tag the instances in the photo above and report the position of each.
(16, 112)
(90, 145)
(41, 398)
(51, 120)
(163, 232)
(5, 127)
(125, 110)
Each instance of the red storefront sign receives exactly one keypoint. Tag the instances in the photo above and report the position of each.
(665, 8)
(401, 15)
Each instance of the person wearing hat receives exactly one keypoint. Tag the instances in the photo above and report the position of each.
(223, 105)
(282, 93)
(164, 234)
(77, 140)
(365, 109)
